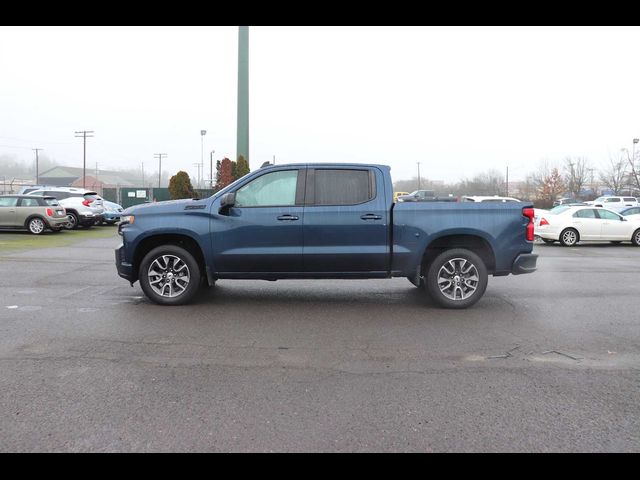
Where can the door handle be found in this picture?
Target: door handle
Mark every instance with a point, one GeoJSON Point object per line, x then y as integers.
{"type": "Point", "coordinates": [287, 217]}
{"type": "Point", "coordinates": [371, 216]}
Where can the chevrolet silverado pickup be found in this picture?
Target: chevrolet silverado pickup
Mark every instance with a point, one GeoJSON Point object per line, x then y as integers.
{"type": "Point", "coordinates": [331, 221]}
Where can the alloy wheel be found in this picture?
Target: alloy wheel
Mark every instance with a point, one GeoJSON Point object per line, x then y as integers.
{"type": "Point", "coordinates": [458, 279]}
{"type": "Point", "coordinates": [169, 276]}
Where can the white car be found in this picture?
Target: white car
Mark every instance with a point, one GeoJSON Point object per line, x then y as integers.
{"type": "Point", "coordinates": [84, 207]}
{"type": "Point", "coordinates": [615, 203]}
{"type": "Point", "coordinates": [569, 225]}
{"type": "Point", "coordinates": [632, 213]}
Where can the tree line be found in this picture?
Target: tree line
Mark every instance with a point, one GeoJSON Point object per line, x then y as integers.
{"type": "Point", "coordinates": [574, 177]}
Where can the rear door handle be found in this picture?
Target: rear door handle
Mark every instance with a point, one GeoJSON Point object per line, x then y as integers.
{"type": "Point", "coordinates": [371, 216]}
{"type": "Point", "coordinates": [287, 217]}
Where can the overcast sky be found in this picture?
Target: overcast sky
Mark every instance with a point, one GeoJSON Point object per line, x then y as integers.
{"type": "Point", "coordinates": [458, 100]}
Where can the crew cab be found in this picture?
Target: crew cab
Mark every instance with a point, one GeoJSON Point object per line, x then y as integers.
{"type": "Point", "coordinates": [322, 221]}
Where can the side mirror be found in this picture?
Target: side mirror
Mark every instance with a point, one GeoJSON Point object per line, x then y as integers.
{"type": "Point", "coordinates": [227, 201]}
{"type": "Point", "coordinates": [624, 219]}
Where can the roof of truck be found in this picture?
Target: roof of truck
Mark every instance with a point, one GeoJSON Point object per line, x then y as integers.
{"type": "Point", "coordinates": [327, 164]}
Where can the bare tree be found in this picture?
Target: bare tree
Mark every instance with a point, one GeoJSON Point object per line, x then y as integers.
{"type": "Point", "coordinates": [633, 174]}
{"type": "Point", "coordinates": [576, 174]}
{"type": "Point", "coordinates": [614, 176]}
{"type": "Point", "coordinates": [491, 182]}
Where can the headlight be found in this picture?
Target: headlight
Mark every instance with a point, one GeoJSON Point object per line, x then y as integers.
{"type": "Point", "coordinates": [127, 219]}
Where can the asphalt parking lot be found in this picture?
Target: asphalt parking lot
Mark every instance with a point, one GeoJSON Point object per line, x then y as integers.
{"type": "Point", "coordinates": [544, 362]}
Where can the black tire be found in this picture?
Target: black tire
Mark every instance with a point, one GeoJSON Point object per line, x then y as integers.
{"type": "Point", "coordinates": [548, 241]}
{"type": "Point", "coordinates": [36, 226]}
{"type": "Point", "coordinates": [193, 271]}
{"type": "Point", "coordinates": [443, 296]}
{"type": "Point", "coordinates": [635, 239]}
{"type": "Point", "coordinates": [569, 237]}
{"type": "Point", "coordinates": [73, 221]}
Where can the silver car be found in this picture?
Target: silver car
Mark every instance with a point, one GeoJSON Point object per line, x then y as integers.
{"type": "Point", "coordinates": [84, 207]}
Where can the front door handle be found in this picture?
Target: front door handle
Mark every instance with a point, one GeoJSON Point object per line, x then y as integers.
{"type": "Point", "coordinates": [287, 217]}
{"type": "Point", "coordinates": [371, 216]}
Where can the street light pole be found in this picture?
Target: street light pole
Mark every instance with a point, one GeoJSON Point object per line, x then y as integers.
{"type": "Point", "coordinates": [211, 169]}
{"type": "Point", "coordinates": [202, 134]}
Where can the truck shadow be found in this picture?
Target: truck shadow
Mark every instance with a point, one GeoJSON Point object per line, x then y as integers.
{"type": "Point", "coordinates": [232, 294]}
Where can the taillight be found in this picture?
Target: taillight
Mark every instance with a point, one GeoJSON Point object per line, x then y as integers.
{"type": "Point", "coordinates": [49, 212]}
{"type": "Point", "coordinates": [87, 202]}
{"type": "Point", "coordinates": [544, 222]}
{"type": "Point", "coordinates": [529, 213]}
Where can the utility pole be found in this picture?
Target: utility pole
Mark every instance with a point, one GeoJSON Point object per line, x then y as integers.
{"type": "Point", "coordinates": [418, 175]}
{"type": "Point", "coordinates": [243, 94]}
{"type": "Point", "coordinates": [142, 174]}
{"type": "Point", "coordinates": [84, 134]}
{"type": "Point", "coordinates": [37, 171]}
{"type": "Point", "coordinates": [274, 159]}
{"type": "Point", "coordinates": [202, 134]}
{"type": "Point", "coordinates": [159, 157]}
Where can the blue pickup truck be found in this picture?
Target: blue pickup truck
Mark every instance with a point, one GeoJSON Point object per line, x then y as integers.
{"type": "Point", "coordinates": [322, 221]}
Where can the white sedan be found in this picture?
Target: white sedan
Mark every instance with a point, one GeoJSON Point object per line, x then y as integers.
{"type": "Point", "coordinates": [572, 224]}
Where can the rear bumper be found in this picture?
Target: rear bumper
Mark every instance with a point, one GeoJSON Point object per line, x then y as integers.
{"type": "Point", "coordinates": [125, 270]}
{"type": "Point", "coordinates": [56, 223]}
{"type": "Point", "coordinates": [524, 263]}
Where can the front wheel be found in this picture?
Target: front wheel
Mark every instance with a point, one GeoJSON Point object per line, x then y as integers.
{"type": "Point", "coordinates": [636, 238]}
{"type": "Point", "coordinates": [169, 275]}
{"type": "Point", "coordinates": [457, 278]}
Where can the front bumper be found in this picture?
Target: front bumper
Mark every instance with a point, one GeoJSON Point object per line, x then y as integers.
{"type": "Point", "coordinates": [524, 263]}
{"type": "Point", "coordinates": [125, 270]}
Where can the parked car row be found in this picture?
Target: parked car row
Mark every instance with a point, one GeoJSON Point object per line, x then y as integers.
{"type": "Point", "coordinates": [55, 208]}
{"type": "Point", "coordinates": [568, 224]}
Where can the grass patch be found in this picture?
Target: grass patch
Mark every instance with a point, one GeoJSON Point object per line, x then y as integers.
{"type": "Point", "coordinates": [11, 241]}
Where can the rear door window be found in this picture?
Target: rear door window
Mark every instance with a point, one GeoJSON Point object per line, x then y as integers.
{"type": "Point", "coordinates": [587, 213]}
{"type": "Point", "coordinates": [29, 202]}
{"type": "Point", "coordinates": [343, 186]}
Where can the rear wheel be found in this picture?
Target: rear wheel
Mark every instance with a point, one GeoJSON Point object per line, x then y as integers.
{"type": "Point", "coordinates": [169, 275]}
{"type": "Point", "coordinates": [636, 238]}
{"type": "Point", "coordinates": [457, 278]}
{"type": "Point", "coordinates": [569, 237]}
{"type": "Point", "coordinates": [36, 226]}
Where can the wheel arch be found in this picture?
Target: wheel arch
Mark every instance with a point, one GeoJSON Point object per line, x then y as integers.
{"type": "Point", "coordinates": [475, 243]}
{"type": "Point", "coordinates": [183, 240]}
